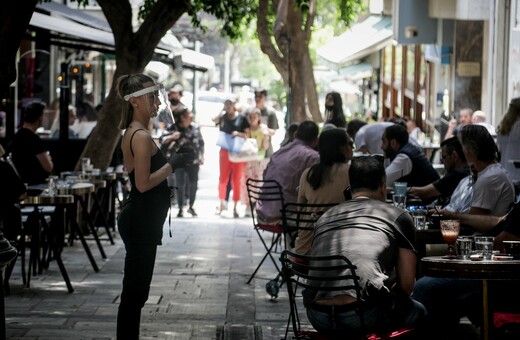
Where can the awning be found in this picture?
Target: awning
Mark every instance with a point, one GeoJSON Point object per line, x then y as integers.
{"type": "Point", "coordinates": [364, 38]}
{"type": "Point", "coordinates": [75, 27]}
{"type": "Point", "coordinates": [76, 15]}
{"type": "Point", "coordinates": [197, 61]}
{"type": "Point", "coordinates": [357, 72]}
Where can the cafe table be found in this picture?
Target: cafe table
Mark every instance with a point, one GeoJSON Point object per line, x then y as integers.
{"type": "Point", "coordinates": [484, 270]}
{"type": "Point", "coordinates": [57, 201]}
{"type": "Point", "coordinates": [79, 191]}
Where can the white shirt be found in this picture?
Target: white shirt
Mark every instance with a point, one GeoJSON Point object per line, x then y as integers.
{"type": "Point", "coordinates": [369, 135]}
{"type": "Point", "coordinates": [493, 190]}
{"type": "Point", "coordinates": [399, 167]}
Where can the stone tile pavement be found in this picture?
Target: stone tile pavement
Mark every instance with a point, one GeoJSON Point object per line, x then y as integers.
{"type": "Point", "coordinates": [199, 288]}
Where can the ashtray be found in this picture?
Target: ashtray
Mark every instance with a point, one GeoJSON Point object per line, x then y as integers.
{"type": "Point", "coordinates": [502, 258]}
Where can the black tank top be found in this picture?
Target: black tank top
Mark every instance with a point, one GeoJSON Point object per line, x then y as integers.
{"type": "Point", "coordinates": [142, 218]}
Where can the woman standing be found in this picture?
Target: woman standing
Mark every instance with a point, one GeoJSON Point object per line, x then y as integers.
{"type": "Point", "coordinates": [255, 169]}
{"type": "Point", "coordinates": [334, 110]}
{"type": "Point", "coordinates": [187, 179]}
{"type": "Point", "coordinates": [234, 124]}
{"type": "Point", "coordinates": [508, 139]}
{"type": "Point", "coordinates": [141, 220]}
{"type": "Point", "coordinates": [326, 181]}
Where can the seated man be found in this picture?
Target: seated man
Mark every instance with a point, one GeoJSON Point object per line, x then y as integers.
{"type": "Point", "coordinates": [493, 191]}
{"type": "Point", "coordinates": [456, 167]}
{"type": "Point", "coordinates": [407, 162]}
{"type": "Point", "coordinates": [379, 239]}
{"type": "Point", "coordinates": [32, 161]}
{"type": "Point", "coordinates": [286, 167]}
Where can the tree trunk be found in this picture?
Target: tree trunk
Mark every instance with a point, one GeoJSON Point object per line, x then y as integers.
{"type": "Point", "coordinates": [290, 55]}
{"type": "Point", "coordinates": [133, 52]}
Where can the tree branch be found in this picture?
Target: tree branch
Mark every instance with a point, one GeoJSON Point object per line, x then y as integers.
{"type": "Point", "coordinates": [266, 44]}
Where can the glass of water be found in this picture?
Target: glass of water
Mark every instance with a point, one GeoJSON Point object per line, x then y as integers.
{"type": "Point", "coordinates": [399, 201]}
{"type": "Point", "coordinates": [484, 246]}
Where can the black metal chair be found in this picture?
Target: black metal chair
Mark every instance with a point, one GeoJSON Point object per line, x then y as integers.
{"type": "Point", "coordinates": [307, 272]}
{"type": "Point", "coordinates": [265, 191]}
{"type": "Point", "coordinates": [301, 217]}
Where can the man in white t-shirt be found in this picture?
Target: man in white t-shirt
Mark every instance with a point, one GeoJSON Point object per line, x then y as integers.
{"type": "Point", "coordinates": [493, 191]}
{"type": "Point", "coordinates": [367, 137]}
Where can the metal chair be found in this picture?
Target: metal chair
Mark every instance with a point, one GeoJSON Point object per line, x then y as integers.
{"type": "Point", "coordinates": [306, 272]}
{"type": "Point", "coordinates": [265, 191]}
{"type": "Point", "coordinates": [300, 217]}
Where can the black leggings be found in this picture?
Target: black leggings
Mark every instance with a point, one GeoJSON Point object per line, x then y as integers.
{"type": "Point", "coordinates": [139, 264]}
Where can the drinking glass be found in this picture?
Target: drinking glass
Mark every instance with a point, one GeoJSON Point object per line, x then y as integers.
{"type": "Point", "coordinates": [419, 221]}
{"type": "Point", "coordinates": [85, 165]}
{"type": "Point", "coordinates": [484, 246]}
{"type": "Point", "coordinates": [465, 245]}
{"type": "Point", "coordinates": [52, 188]}
{"type": "Point", "coordinates": [450, 231]}
{"type": "Point", "coordinates": [400, 188]}
{"type": "Point", "coordinates": [399, 201]}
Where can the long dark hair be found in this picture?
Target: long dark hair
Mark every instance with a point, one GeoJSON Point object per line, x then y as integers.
{"type": "Point", "coordinates": [331, 144]}
{"type": "Point", "coordinates": [335, 113]}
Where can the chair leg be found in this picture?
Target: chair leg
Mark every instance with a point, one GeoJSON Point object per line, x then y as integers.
{"type": "Point", "coordinates": [268, 253]}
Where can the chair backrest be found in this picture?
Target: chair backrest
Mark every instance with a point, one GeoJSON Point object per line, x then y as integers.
{"type": "Point", "coordinates": [302, 216]}
{"type": "Point", "coordinates": [310, 272]}
{"type": "Point", "coordinates": [263, 190]}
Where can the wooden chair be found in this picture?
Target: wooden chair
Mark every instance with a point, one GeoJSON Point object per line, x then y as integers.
{"type": "Point", "coordinates": [265, 191]}
{"type": "Point", "coordinates": [300, 271]}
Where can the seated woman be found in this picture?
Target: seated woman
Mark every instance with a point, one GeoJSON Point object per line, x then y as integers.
{"type": "Point", "coordinates": [326, 181]}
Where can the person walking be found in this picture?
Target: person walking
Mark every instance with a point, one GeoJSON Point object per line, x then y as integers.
{"type": "Point", "coordinates": [187, 178]}
{"type": "Point", "coordinates": [234, 124]}
{"type": "Point", "coordinates": [142, 216]}
{"type": "Point", "coordinates": [255, 168]}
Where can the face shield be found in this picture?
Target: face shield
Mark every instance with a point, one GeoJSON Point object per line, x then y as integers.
{"type": "Point", "coordinates": [158, 101]}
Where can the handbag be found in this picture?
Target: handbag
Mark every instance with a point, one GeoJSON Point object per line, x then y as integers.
{"type": "Point", "coordinates": [229, 142]}
{"type": "Point", "coordinates": [248, 151]}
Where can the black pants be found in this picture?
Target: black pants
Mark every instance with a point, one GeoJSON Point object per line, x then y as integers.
{"type": "Point", "coordinates": [139, 264]}
{"type": "Point", "coordinates": [187, 179]}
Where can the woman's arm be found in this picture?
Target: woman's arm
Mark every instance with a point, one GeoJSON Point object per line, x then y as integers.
{"type": "Point", "coordinates": [143, 146]}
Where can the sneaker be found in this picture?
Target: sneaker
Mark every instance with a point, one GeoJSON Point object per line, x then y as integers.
{"type": "Point", "coordinates": [180, 214]}
{"type": "Point", "coordinates": [192, 212]}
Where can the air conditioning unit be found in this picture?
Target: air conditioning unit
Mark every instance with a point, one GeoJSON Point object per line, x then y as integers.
{"type": "Point", "coordinates": [412, 24]}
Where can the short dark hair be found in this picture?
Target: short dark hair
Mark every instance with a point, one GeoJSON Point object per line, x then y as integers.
{"type": "Point", "coordinates": [397, 132]}
{"type": "Point", "coordinates": [477, 139]}
{"type": "Point", "coordinates": [33, 112]}
{"type": "Point", "coordinates": [453, 145]}
{"type": "Point", "coordinates": [307, 131]}
{"type": "Point", "coordinates": [263, 92]}
{"type": "Point", "coordinates": [366, 173]}
{"type": "Point", "coordinates": [353, 127]}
